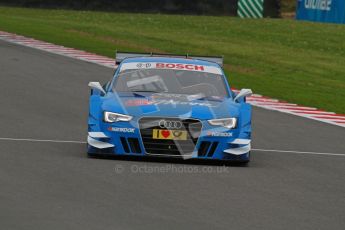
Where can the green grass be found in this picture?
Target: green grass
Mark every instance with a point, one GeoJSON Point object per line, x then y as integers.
{"type": "Point", "coordinates": [295, 61]}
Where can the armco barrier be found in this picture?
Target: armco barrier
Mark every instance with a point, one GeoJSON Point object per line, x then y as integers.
{"type": "Point", "coordinates": [271, 8]}
{"type": "Point", "coordinates": [321, 10]}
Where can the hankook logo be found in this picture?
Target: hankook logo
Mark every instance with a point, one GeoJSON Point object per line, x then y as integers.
{"type": "Point", "coordinates": [170, 124]}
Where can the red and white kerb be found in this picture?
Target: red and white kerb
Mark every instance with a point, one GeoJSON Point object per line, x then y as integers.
{"type": "Point", "coordinates": [256, 100]}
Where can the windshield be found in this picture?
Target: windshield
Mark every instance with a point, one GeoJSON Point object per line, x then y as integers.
{"type": "Point", "coordinates": [171, 81]}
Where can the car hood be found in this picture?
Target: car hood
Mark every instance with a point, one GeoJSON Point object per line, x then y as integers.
{"type": "Point", "coordinates": [169, 105]}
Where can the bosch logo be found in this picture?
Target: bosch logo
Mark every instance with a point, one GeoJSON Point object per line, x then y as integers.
{"type": "Point", "coordinates": [170, 124]}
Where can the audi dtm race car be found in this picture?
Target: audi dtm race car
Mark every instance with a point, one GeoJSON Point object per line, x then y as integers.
{"type": "Point", "coordinates": [169, 106]}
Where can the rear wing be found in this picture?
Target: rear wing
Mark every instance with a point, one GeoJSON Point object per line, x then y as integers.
{"type": "Point", "coordinates": [120, 56]}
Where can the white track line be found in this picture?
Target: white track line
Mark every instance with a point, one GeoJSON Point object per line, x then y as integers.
{"type": "Point", "coordinates": [83, 142]}
{"type": "Point", "coordinates": [298, 152]}
{"type": "Point", "coordinates": [40, 140]}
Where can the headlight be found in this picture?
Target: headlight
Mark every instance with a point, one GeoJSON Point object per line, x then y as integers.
{"type": "Point", "coordinates": [229, 123]}
{"type": "Point", "coordinates": [115, 117]}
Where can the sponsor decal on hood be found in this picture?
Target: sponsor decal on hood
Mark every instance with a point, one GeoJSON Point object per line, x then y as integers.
{"type": "Point", "coordinates": [172, 99]}
{"type": "Point", "coordinates": [141, 102]}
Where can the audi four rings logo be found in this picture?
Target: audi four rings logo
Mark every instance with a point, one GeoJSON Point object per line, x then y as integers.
{"type": "Point", "coordinates": [170, 124]}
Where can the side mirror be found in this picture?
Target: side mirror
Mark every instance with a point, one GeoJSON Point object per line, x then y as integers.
{"type": "Point", "coordinates": [243, 93]}
{"type": "Point", "coordinates": [97, 86]}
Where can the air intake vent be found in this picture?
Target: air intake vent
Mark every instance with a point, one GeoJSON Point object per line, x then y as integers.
{"type": "Point", "coordinates": [124, 144]}
{"type": "Point", "coordinates": [134, 144]}
{"type": "Point", "coordinates": [207, 148]}
{"type": "Point", "coordinates": [130, 145]}
{"type": "Point", "coordinates": [203, 148]}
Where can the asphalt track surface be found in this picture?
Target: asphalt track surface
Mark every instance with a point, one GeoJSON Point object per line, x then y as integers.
{"type": "Point", "coordinates": [53, 185]}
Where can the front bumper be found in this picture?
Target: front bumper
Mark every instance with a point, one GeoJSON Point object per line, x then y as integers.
{"type": "Point", "coordinates": [126, 138]}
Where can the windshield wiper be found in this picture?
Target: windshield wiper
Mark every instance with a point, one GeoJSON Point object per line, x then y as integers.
{"type": "Point", "coordinates": [137, 92]}
{"type": "Point", "coordinates": [210, 98]}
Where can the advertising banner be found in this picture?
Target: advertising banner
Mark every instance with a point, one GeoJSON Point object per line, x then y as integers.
{"type": "Point", "coordinates": [321, 10]}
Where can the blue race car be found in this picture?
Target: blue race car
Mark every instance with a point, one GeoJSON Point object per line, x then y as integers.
{"type": "Point", "coordinates": [169, 106]}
